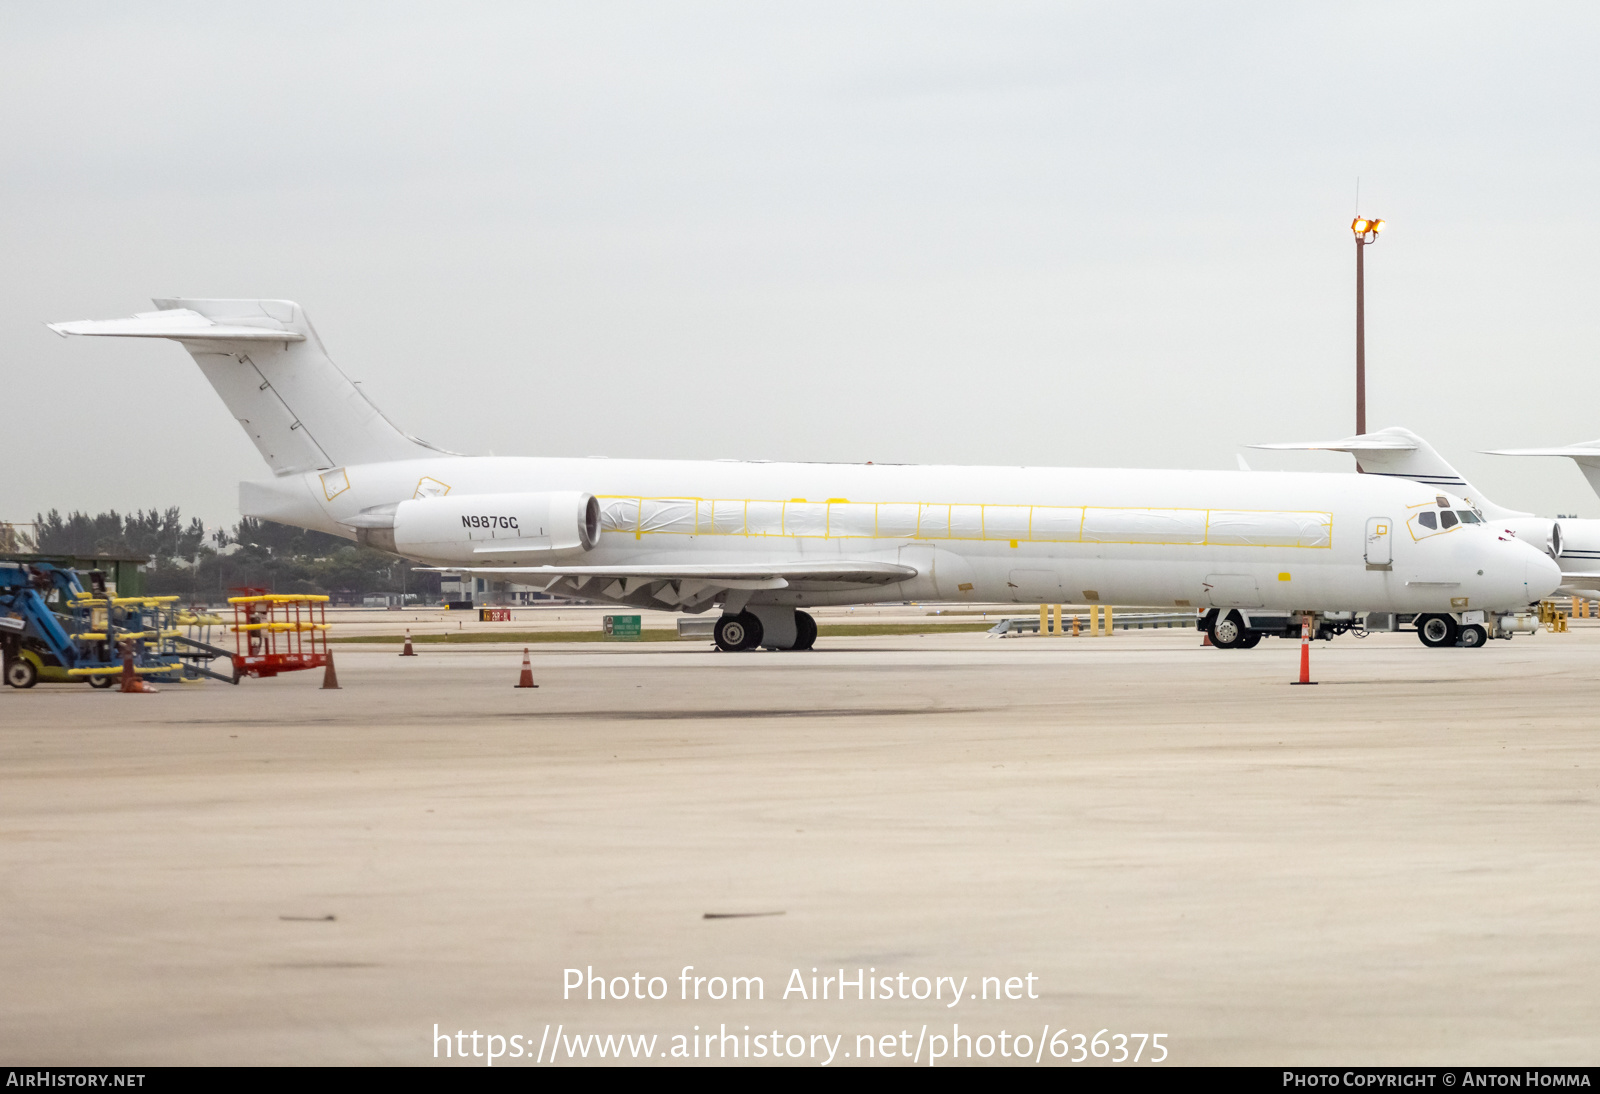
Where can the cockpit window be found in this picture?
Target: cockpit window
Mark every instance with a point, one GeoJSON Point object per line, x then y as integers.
{"type": "Point", "coordinates": [1467, 516]}
{"type": "Point", "coordinates": [1448, 519]}
{"type": "Point", "coordinates": [1427, 520]}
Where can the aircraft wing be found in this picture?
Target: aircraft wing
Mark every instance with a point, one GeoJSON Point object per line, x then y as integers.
{"type": "Point", "coordinates": [690, 583]}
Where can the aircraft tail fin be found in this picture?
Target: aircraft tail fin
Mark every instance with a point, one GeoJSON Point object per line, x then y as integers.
{"type": "Point", "coordinates": [1400, 453]}
{"type": "Point", "coordinates": [1585, 454]}
{"type": "Point", "coordinates": [266, 362]}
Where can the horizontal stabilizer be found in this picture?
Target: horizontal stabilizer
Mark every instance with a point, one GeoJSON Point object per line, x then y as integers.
{"type": "Point", "coordinates": [183, 325]}
{"type": "Point", "coordinates": [1586, 455]}
{"type": "Point", "coordinates": [1364, 442]}
{"type": "Point", "coordinates": [1590, 451]}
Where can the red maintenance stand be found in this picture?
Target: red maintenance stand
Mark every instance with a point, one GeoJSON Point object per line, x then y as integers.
{"type": "Point", "coordinates": [276, 633]}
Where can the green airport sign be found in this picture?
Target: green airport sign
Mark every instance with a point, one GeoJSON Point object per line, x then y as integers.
{"type": "Point", "coordinates": [621, 626]}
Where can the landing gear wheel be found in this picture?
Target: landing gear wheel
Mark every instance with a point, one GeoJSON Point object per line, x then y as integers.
{"type": "Point", "coordinates": [737, 632]}
{"type": "Point", "coordinates": [21, 673]}
{"type": "Point", "coordinates": [100, 681]}
{"type": "Point", "coordinates": [1227, 631]}
{"type": "Point", "coordinates": [805, 631]}
{"type": "Point", "coordinates": [1473, 636]}
{"type": "Point", "coordinates": [1437, 630]}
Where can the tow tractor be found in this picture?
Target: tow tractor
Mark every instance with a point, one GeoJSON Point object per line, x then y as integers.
{"type": "Point", "coordinates": [1244, 628]}
{"type": "Point", "coordinates": [52, 629]}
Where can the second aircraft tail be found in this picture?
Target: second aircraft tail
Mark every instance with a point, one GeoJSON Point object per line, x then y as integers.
{"type": "Point", "coordinates": [1400, 453]}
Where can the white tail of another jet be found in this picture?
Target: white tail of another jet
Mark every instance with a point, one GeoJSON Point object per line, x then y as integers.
{"type": "Point", "coordinates": [1585, 454]}
{"type": "Point", "coordinates": [266, 361]}
{"type": "Point", "coordinates": [1400, 453]}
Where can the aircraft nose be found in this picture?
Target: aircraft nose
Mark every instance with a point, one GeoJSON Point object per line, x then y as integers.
{"type": "Point", "coordinates": [1543, 575]}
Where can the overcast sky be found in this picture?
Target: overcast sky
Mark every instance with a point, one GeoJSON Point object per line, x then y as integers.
{"type": "Point", "coordinates": [1109, 234]}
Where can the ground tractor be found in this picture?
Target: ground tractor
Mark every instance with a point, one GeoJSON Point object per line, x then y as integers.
{"type": "Point", "coordinates": [1244, 628]}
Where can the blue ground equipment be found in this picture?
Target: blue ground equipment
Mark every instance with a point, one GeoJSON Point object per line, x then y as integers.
{"type": "Point", "coordinates": [52, 629]}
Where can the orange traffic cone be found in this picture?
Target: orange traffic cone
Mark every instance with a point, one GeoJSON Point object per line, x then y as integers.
{"type": "Point", "coordinates": [330, 679]}
{"type": "Point", "coordinates": [526, 680]}
{"type": "Point", "coordinates": [408, 651]}
{"type": "Point", "coordinates": [1305, 653]}
{"type": "Point", "coordinates": [1206, 641]}
{"type": "Point", "coordinates": [131, 684]}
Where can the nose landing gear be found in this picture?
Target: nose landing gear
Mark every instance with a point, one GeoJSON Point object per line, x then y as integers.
{"type": "Point", "coordinates": [1441, 630]}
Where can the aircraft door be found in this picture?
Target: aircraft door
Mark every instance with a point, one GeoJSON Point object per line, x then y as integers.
{"type": "Point", "coordinates": [1380, 533]}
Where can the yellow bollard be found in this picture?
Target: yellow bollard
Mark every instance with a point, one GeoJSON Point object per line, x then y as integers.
{"type": "Point", "coordinates": [1574, 607]}
{"type": "Point", "coordinates": [1094, 621]}
{"type": "Point", "coordinates": [1108, 620]}
{"type": "Point", "coordinates": [1056, 612]}
{"type": "Point", "coordinates": [1044, 620]}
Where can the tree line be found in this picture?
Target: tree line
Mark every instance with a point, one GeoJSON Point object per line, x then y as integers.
{"type": "Point", "coordinates": [188, 561]}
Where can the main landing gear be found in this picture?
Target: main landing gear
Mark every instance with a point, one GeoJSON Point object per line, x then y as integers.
{"type": "Point", "coordinates": [774, 629]}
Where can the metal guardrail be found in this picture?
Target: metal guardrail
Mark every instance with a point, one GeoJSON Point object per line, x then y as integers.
{"type": "Point", "coordinates": [1131, 621]}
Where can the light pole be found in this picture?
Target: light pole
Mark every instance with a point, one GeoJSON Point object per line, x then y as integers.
{"type": "Point", "coordinates": [1366, 232]}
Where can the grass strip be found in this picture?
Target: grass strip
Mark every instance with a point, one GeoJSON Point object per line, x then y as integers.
{"type": "Point", "coordinates": [530, 637]}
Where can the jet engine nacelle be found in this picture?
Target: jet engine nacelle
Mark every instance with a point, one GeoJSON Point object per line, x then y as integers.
{"type": "Point", "coordinates": [482, 529]}
{"type": "Point", "coordinates": [1540, 532]}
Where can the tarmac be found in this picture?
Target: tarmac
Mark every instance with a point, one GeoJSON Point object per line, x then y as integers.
{"type": "Point", "coordinates": [1396, 866]}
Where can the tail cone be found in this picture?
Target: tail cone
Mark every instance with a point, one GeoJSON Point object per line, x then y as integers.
{"type": "Point", "coordinates": [526, 680]}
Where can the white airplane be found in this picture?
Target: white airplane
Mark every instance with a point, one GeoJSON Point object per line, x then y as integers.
{"type": "Point", "coordinates": [763, 541]}
{"type": "Point", "coordinates": [1399, 453]}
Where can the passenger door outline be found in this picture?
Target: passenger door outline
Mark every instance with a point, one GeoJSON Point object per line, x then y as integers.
{"type": "Point", "coordinates": [1379, 543]}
